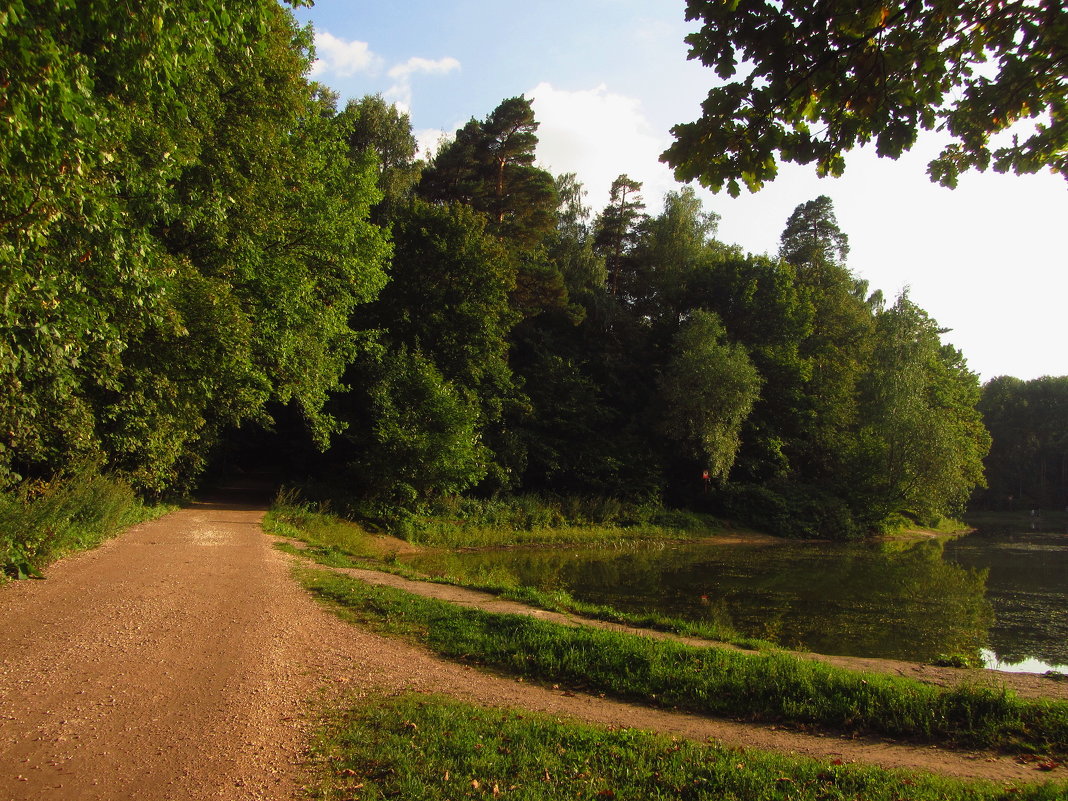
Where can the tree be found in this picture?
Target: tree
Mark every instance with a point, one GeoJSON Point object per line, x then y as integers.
{"type": "Point", "coordinates": [448, 300]}
{"type": "Point", "coordinates": [617, 231]}
{"type": "Point", "coordinates": [921, 439]}
{"type": "Point", "coordinates": [424, 435]}
{"type": "Point", "coordinates": [370, 125]}
{"type": "Point", "coordinates": [674, 244]}
{"type": "Point", "coordinates": [274, 208]}
{"type": "Point", "coordinates": [827, 77]}
{"type": "Point", "coordinates": [571, 247]}
{"type": "Point", "coordinates": [182, 237]}
{"type": "Point", "coordinates": [835, 349]}
{"type": "Point", "coordinates": [708, 389]}
{"type": "Point", "coordinates": [763, 308]}
{"type": "Point", "coordinates": [96, 125]}
{"type": "Point", "coordinates": [1028, 461]}
{"type": "Point", "coordinates": [490, 166]}
{"type": "Point", "coordinates": [812, 235]}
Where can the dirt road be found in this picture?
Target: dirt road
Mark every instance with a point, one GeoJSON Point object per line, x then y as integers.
{"type": "Point", "coordinates": [160, 666]}
{"type": "Point", "coordinates": [181, 661]}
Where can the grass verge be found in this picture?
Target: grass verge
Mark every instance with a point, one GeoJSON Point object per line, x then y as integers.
{"type": "Point", "coordinates": [43, 521]}
{"type": "Point", "coordinates": [431, 748]}
{"type": "Point", "coordinates": [456, 522]}
{"type": "Point", "coordinates": [334, 542]}
{"type": "Point", "coordinates": [772, 687]}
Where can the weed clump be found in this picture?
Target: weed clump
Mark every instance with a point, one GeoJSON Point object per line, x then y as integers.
{"type": "Point", "coordinates": [41, 521]}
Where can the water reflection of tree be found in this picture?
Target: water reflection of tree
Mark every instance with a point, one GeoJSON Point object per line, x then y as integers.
{"type": "Point", "coordinates": [1027, 588]}
{"type": "Point", "coordinates": [862, 600]}
{"type": "Point", "coordinates": [890, 603]}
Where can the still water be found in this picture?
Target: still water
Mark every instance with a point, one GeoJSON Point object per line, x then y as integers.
{"type": "Point", "coordinates": [998, 593]}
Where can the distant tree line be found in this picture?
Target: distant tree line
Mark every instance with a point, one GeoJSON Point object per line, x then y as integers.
{"type": "Point", "coordinates": [199, 247]}
{"type": "Point", "coordinates": [1027, 467]}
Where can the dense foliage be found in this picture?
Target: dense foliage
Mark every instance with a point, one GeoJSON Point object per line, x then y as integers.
{"type": "Point", "coordinates": [1028, 463]}
{"type": "Point", "coordinates": [198, 248]}
{"type": "Point", "coordinates": [805, 82]}
{"type": "Point", "coordinates": [183, 235]}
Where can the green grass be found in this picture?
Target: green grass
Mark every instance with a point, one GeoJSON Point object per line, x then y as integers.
{"type": "Point", "coordinates": [458, 522]}
{"type": "Point", "coordinates": [340, 543]}
{"type": "Point", "coordinates": [546, 520]}
{"type": "Point", "coordinates": [331, 540]}
{"type": "Point", "coordinates": [430, 748]}
{"type": "Point", "coordinates": [772, 686]}
{"type": "Point", "coordinates": [43, 521]}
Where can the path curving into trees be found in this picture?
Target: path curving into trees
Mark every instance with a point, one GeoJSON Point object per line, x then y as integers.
{"type": "Point", "coordinates": [180, 661]}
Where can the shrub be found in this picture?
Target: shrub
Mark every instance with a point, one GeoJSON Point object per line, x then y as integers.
{"type": "Point", "coordinates": [41, 521]}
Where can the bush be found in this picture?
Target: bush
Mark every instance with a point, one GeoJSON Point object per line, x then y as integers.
{"type": "Point", "coordinates": [41, 521]}
{"type": "Point", "coordinates": [791, 510]}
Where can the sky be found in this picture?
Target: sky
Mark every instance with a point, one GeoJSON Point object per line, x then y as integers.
{"type": "Point", "coordinates": [608, 78]}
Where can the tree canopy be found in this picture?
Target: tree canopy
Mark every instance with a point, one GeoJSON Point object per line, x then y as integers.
{"type": "Point", "coordinates": [199, 251]}
{"type": "Point", "coordinates": [806, 83]}
{"type": "Point", "coordinates": [182, 235]}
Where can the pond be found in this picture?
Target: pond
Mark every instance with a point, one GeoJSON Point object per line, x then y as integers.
{"type": "Point", "coordinates": [997, 593]}
{"type": "Point", "coordinates": [1027, 587]}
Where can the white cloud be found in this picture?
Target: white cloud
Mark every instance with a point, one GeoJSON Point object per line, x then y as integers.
{"type": "Point", "coordinates": [429, 140]}
{"type": "Point", "coordinates": [342, 58]}
{"type": "Point", "coordinates": [401, 90]}
{"type": "Point", "coordinates": [600, 135]}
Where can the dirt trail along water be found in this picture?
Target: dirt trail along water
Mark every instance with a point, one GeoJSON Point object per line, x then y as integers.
{"type": "Point", "coordinates": [181, 662]}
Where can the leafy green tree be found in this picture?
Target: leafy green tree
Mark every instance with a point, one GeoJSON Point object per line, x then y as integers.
{"type": "Point", "coordinates": [812, 235]}
{"type": "Point", "coordinates": [275, 208]}
{"type": "Point", "coordinates": [490, 166]}
{"type": "Point", "coordinates": [371, 126]}
{"type": "Point", "coordinates": [708, 388]}
{"type": "Point", "coordinates": [424, 440]}
{"type": "Point", "coordinates": [571, 246]}
{"type": "Point", "coordinates": [94, 130]}
{"type": "Point", "coordinates": [836, 348]}
{"type": "Point", "coordinates": [193, 242]}
{"type": "Point", "coordinates": [448, 300]}
{"type": "Point", "coordinates": [762, 308]}
{"type": "Point", "coordinates": [587, 427]}
{"type": "Point", "coordinates": [807, 82]}
{"type": "Point", "coordinates": [181, 384]}
{"type": "Point", "coordinates": [671, 247]}
{"type": "Point", "coordinates": [921, 440]}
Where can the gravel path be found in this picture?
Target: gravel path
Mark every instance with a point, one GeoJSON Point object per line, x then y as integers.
{"type": "Point", "coordinates": [181, 661]}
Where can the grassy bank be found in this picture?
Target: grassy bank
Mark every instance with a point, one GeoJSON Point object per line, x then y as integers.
{"type": "Point", "coordinates": [414, 746]}
{"type": "Point", "coordinates": [538, 520]}
{"type": "Point", "coordinates": [334, 542]}
{"type": "Point", "coordinates": [520, 520]}
{"type": "Point", "coordinates": [42, 521]}
{"type": "Point", "coordinates": [774, 687]}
